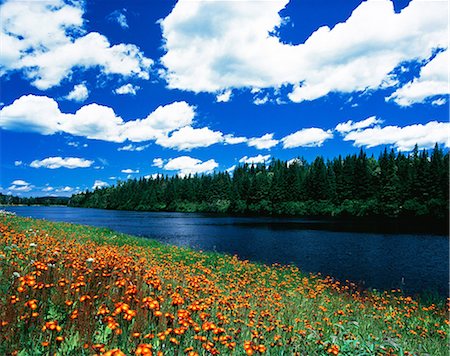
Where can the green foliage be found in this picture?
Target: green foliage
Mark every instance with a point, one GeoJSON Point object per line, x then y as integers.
{"type": "Point", "coordinates": [356, 185]}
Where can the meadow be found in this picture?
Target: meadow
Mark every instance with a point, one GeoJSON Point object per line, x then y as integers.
{"type": "Point", "coordinates": [77, 290]}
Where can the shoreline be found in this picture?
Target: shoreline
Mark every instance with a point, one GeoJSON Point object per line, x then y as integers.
{"type": "Point", "coordinates": [115, 291]}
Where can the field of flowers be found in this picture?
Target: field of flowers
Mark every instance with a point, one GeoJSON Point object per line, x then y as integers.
{"type": "Point", "coordinates": [76, 290]}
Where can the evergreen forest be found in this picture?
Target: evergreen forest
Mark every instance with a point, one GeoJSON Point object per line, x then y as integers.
{"type": "Point", "coordinates": [393, 185]}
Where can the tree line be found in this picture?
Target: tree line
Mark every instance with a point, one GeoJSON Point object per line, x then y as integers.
{"type": "Point", "coordinates": [392, 185]}
{"type": "Point", "coordinates": [16, 200]}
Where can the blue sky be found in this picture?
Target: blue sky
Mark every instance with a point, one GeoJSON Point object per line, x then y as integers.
{"type": "Point", "coordinates": [98, 91]}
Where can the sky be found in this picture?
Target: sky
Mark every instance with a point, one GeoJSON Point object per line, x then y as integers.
{"type": "Point", "coordinates": [97, 91]}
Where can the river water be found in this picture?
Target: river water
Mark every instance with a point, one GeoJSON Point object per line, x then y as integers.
{"type": "Point", "coordinates": [381, 259]}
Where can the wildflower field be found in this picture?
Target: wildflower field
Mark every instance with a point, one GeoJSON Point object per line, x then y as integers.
{"type": "Point", "coordinates": [76, 290]}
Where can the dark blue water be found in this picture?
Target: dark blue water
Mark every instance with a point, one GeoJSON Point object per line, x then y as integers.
{"type": "Point", "coordinates": [416, 263]}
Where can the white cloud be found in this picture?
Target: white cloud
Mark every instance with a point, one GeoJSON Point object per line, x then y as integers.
{"type": "Point", "coordinates": [131, 147]}
{"type": "Point", "coordinates": [64, 189]}
{"type": "Point", "coordinates": [231, 169]}
{"type": "Point", "coordinates": [158, 162]}
{"type": "Point", "coordinates": [403, 138]}
{"type": "Point", "coordinates": [160, 122]}
{"type": "Point", "coordinates": [188, 138]}
{"type": "Point", "coordinates": [18, 163]}
{"type": "Point", "coordinates": [348, 126]}
{"type": "Point", "coordinates": [263, 142]}
{"type": "Point", "coordinates": [130, 171]}
{"type": "Point", "coordinates": [99, 184]}
{"type": "Point", "coordinates": [41, 114]}
{"type": "Point", "coordinates": [255, 160]}
{"type": "Point", "coordinates": [311, 137]}
{"type": "Point", "coordinates": [46, 40]}
{"type": "Point", "coordinates": [48, 189]}
{"type": "Point", "coordinates": [58, 162]}
{"type": "Point", "coordinates": [20, 182]}
{"type": "Point", "coordinates": [127, 89]}
{"type": "Point", "coordinates": [260, 101]}
{"type": "Point", "coordinates": [20, 188]}
{"type": "Point", "coordinates": [79, 93]}
{"type": "Point", "coordinates": [433, 80]}
{"type": "Point", "coordinates": [187, 165]}
{"type": "Point", "coordinates": [33, 114]}
{"type": "Point", "coordinates": [439, 102]}
{"type": "Point", "coordinates": [224, 97]}
{"type": "Point", "coordinates": [233, 140]}
{"type": "Point", "coordinates": [213, 46]}
{"type": "Point", "coordinates": [20, 185]}
{"type": "Point", "coordinates": [119, 17]}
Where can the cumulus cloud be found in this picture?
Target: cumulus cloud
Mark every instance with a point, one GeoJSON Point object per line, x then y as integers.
{"type": "Point", "coordinates": [188, 138]}
{"type": "Point", "coordinates": [41, 114]}
{"type": "Point", "coordinates": [224, 97]}
{"type": "Point", "coordinates": [20, 188]}
{"type": "Point", "coordinates": [18, 163]}
{"type": "Point", "coordinates": [234, 140]}
{"type": "Point", "coordinates": [20, 182]}
{"type": "Point", "coordinates": [48, 189]}
{"type": "Point", "coordinates": [213, 46]}
{"type": "Point", "coordinates": [79, 93]}
{"type": "Point", "coordinates": [348, 126]}
{"type": "Point", "coordinates": [402, 138]}
{"type": "Point", "coordinates": [33, 114]}
{"type": "Point", "coordinates": [64, 189]}
{"type": "Point", "coordinates": [45, 40]}
{"type": "Point", "coordinates": [158, 162]}
{"type": "Point", "coordinates": [20, 185]}
{"type": "Point", "coordinates": [255, 160]}
{"type": "Point", "coordinates": [186, 165]}
{"type": "Point", "coordinates": [160, 122]}
{"type": "Point", "coordinates": [130, 171]}
{"type": "Point", "coordinates": [127, 89]}
{"type": "Point", "coordinates": [169, 126]}
{"type": "Point", "coordinates": [433, 80]}
{"type": "Point", "coordinates": [58, 162]}
{"type": "Point", "coordinates": [99, 184]}
{"type": "Point", "coordinates": [310, 137]}
{"type": "Point", "coordinates": [263, 142]}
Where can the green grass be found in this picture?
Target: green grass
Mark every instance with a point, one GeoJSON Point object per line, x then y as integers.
{"type": "Point", "coordinates": [97, 286]}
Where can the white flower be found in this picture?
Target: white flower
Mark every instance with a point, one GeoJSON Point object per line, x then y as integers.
{"type": "Point", "coordinates": [33, 244]}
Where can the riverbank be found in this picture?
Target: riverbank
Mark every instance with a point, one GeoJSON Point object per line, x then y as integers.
{"type": "Point", "coordinates": [74, 289]}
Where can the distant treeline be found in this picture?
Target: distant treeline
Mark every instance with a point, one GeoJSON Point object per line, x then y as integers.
{"type": "Point", "coordinates": [15, 200]}
{"type": "Point", "coordinates": [392, 185]}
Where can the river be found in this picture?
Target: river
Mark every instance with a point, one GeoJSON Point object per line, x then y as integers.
{"type": "Point", "coordinates": [415, 262]}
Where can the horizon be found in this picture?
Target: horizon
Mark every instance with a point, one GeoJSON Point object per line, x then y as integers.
{"type": "Point", "coordinates": [96, 92]}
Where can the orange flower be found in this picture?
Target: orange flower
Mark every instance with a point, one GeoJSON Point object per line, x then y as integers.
{"type": "Point", "coordinates": [333, 349]}
{"type": "Point", "coordinates": [144, 350]}
{"type": "Point", "coordinates": [114, 352]}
